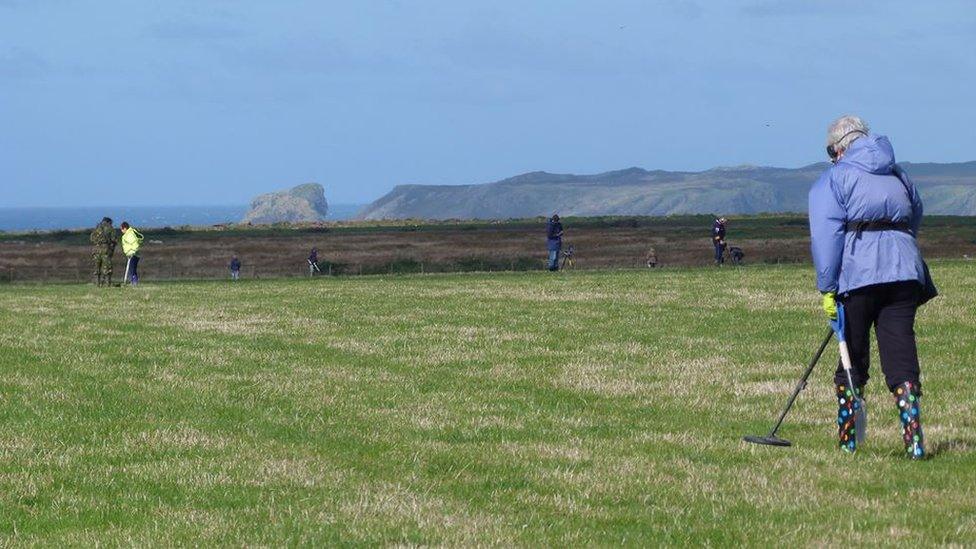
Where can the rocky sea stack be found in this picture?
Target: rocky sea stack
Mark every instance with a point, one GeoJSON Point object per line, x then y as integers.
{"type": "Point", "coordinates": [302, 204]}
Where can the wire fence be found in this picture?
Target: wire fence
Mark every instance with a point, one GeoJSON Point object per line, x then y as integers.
{"type": "Point", "coordinates": [149, 271]}
{"type": "Point", "coordinates": [157, 269]}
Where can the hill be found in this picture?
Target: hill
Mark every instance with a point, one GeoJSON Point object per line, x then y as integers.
{"type": "Point", "coordinates": [301, 204]}
{"type": "Point", "coordinates": [948, 189]}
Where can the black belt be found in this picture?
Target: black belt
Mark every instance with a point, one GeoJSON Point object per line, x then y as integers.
{"type": "Point", "coordinates": [879, 225]}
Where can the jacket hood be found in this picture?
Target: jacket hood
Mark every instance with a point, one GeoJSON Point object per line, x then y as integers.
{"type": "Point", "coordinates": [872, 153]}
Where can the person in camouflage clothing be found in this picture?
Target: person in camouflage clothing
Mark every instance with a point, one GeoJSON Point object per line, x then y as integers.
{"type": "Point", "coordinates": [103, 240]}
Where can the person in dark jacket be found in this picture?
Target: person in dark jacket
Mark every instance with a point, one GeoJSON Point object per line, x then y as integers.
{"type": "Point", "coordinates": [235, 268]}
{"type": "Point", "coordinates": [554, 241]}
{"type": "Point", "coordinates": [864, 218]}
{"type": "Point", "coordinates": [718, 239]}
{"type": "Point", "coordinates": [313, 262]}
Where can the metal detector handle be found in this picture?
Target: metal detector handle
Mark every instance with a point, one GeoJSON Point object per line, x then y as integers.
{"type": "Point", "coordinates": [861, 412]}
{"type": "Point", "coordinates": [837, 324]}
{"type": "Point", "coordinates": [845, 354]}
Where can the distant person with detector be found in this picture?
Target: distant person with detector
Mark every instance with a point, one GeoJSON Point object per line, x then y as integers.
{"type": "Point", "coordinates": [235, 268]}
{"type": "Point", "coordinates": [865, 214]}
{"type": "Point", "coordinates": [103, 240]}
{"type": "Point", "coordinates": [313, 262]}
{"type": "Point", "coordinates": [651, 258]}
{"type": "Point", "coordinates": [718, 240]}
{"type": "Point", "coordinates": [554, 241]}
{"type": "Point", "coordinates": [131, 242]}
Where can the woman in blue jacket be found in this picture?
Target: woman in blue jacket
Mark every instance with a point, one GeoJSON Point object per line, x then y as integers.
{"type": "Point", "coordinates": [864, 217]}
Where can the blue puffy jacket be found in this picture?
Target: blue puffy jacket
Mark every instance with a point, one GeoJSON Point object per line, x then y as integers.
{"type": "Point", "coordinates": [863, 186]}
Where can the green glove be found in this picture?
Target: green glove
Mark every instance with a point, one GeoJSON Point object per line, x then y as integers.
{"type": "Point", "coordinates": [830, 305]}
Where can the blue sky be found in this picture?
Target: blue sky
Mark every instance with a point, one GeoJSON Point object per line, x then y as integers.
{"type": "Point", "coordinates": [212, 102]}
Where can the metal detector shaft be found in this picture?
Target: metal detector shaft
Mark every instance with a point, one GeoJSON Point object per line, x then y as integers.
{"type": "Point", "coordinates": [127, 263]}
{"type": "Point", "coordinates": [803, 381]}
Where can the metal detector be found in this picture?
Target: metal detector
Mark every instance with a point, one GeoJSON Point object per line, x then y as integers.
{"type": "Point", "coordinates": [771, 439]}
{"type": "Point", "coordinates": [313, 267]}
{"type": "Point", "coordinates": [860, 408]}
{"type": "Point", "coordinates": [568, 257]}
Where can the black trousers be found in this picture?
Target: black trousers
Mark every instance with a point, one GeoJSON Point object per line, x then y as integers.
{"type": "Point", "coordinates": [133, 267]}
{"type": "Point", "coordinates": [890, 308]}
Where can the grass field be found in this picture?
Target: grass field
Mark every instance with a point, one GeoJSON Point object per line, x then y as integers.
{"type": "Point", "coordinates": [578, 408]}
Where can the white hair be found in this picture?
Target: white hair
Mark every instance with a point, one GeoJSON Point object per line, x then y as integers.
{"type": "Point", "coordinates": [845, 130]}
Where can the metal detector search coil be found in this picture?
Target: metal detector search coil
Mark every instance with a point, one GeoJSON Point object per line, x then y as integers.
{"type": "Point", "coordinates": [771, 439]}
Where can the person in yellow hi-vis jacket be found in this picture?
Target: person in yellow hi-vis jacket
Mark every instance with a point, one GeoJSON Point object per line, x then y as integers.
{"type": "Point", "coordinates": [131, 242]}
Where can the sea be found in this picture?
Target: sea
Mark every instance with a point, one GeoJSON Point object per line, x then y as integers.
{"type": "Point", "coordinates": [55, 219]}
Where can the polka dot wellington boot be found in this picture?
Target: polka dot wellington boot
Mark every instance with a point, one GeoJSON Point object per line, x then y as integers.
{"type": "Point", "coordinates": [847, 407]}
{"type": "Point", "coordinates": [907, 398]}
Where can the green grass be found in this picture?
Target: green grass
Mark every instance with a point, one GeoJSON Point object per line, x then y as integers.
{"type": "Point", "coordinates": [575, 408]}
